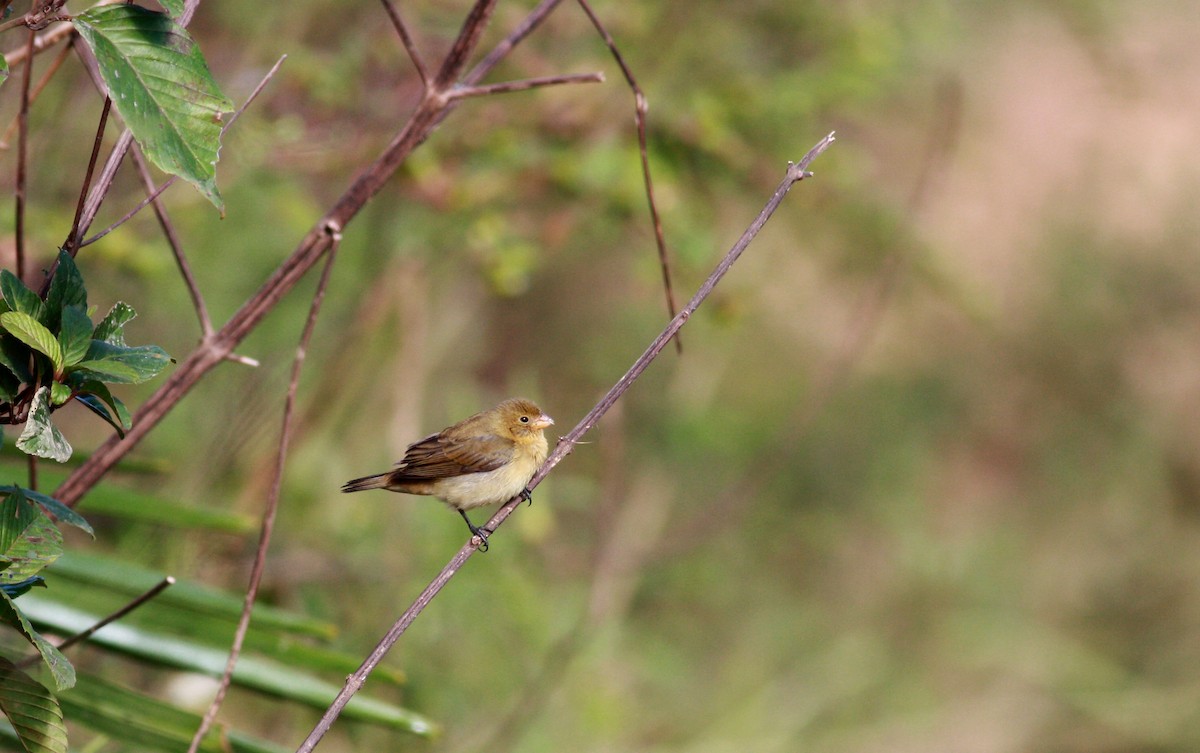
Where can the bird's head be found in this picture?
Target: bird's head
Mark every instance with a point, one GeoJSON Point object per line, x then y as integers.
{"type": "Point", "coordinates": [522, 420]}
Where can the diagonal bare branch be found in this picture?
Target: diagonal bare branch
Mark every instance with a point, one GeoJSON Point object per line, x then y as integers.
{"type": "Point", "coordinates": [795, 173]}
{"type": "Point", "coordinates": [71, 245]}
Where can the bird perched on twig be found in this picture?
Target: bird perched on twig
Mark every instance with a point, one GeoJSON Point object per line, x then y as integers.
{"type": "Point", "coordinates": [482, 460]}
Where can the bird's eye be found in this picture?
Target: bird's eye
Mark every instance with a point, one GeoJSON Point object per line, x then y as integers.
{"type": "Point", "coordinates": [524, 419]}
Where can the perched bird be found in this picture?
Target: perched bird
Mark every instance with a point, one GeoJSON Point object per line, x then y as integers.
{"type": "Point", "coordinates": [483, 460]}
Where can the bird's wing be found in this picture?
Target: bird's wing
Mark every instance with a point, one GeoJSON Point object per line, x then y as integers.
{"type": "Point", "coordinates": [436, 456]}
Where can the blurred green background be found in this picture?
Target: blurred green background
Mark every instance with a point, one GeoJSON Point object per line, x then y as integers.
{"type": "Point", "coordinates": [925, 477]}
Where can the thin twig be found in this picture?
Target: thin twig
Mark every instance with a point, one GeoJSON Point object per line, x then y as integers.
{"type": "Point", "coordinates": [406, 38]}
{"type": "Point", "coordinates": [640, 108]}
{"type": "Point", "coordinates": [168, 228]}
{"type": "Point", "coordinates": [171, 180]}
{"type": "Point", "coordinates": [460, 92]}
{"type": "Point", "coordinates": [158, 588]}
{"type": "Point", "coordinates": [72, 243]}
{"type": "Point", "coordinates": [55, 64]}
{"type": "Point", "coordinates": [22, 159]}
{"type": "Point", "coordinates": [795, 173]}
{"type": "Point", "coordinates": [268, 522]}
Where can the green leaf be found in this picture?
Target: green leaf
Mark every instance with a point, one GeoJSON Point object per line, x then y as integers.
{"type": "Point", "coordinates": [263, 675]}
{"type": "Point", "coordinates": [9, 384]}
{"type": "Point", "coordinates": [3, 69]}
{"type": "Point", "coordinates": [161, 86]}
{"type": "Point", "coordinates": [28, 540]}
{"type": "Point", "coordinates": [22, 586]}
{"type": "Point", "coordinates": [60, 668]}
{"type": "Point", "coordinates": [96, 396]}
{"type": "Point", "coordinates": [174, 7]}
{"type": "Point", "coordinates": [137, 722]}
{"type": "Point", "coordinates": [75, 334]}
{"type": "Point", "coordinates": [32, 710]}
{"type": "Point", "coordinates": [95, 405]}
{"type": "Point", "coordinates": [59, 393]}
{"type": "Point", "coordinates": [41, 437]}
{"type": "Point", "coordinates": [18, 297]}
{"type": "Point", "coordinates": [14, 356]}
{"type": "Point", "coordinates": [66, 289]}
{"type": "Point", "coordinates": [116, 363]}
{"type": "Point", "coordinates": [54, 507]}
{"type": "Point", "coordinates": [34, 334]}
{"type": "Point", "coordinates": [111, 328]}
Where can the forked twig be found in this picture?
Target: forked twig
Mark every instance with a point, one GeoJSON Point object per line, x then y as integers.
{"type": "Point", "coordinates": [268, 522]}
{"type": "Point", "coordinates": [795, 173]}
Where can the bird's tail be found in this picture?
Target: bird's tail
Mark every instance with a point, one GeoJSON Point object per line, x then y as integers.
{"type": "Point", "coordinates": [379, 481]}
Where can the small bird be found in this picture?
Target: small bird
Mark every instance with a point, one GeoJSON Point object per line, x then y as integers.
{"type": "Point", "coordinates": [483, 460]}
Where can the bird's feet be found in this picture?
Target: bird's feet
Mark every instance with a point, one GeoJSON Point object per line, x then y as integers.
{"type": "Point", "coordinates": [479, 531]}
{"type": "Point", "coordinates": [527, 496]}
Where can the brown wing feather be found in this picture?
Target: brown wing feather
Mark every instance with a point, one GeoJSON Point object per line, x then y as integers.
{"type": "Point", "coordinates": [436, 457]}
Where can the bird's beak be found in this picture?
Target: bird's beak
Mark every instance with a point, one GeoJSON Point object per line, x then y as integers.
{"type": "Point", "coordinates": [542, 421]}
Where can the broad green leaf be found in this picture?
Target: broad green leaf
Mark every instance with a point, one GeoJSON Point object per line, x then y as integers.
{"type": "Point", "coordinates": [111, 328]}
{"type": "Point", "coordinates": [32, 710]}
{"type": "Point", "coordinates": [161, 86]}
{"type": "Point", "coordinates": [66, 289]}
{"type": "Point", "coordinates": [75, 334]}
{"type": "Point", "coordinates": [14, 356]}
{"type": "Point", "coordinates": [18, 297]}
{"type": "Point", "coordinates": [60, 668]}
{"type": "Point", "coordinates": [34, 334]}
{"type": "Point", "coordinates": [138, 722]}
{"type": "Point", "coordinates": [28, 539]}
{"type": "Point", "coordinates": [3, 69]}
{"type": "Point", "coordinates": [263, 675]}
{"type": "Point", "coordinates": [41, 437]}
{"type": "Point", "coordinates": [55, 508]}
{"type": "Point", "coordinates": [129, 365]}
